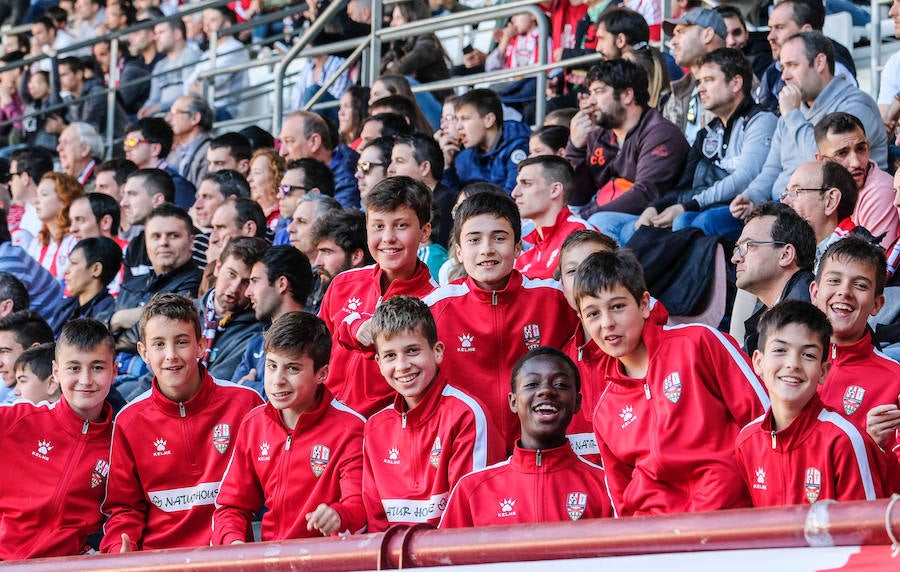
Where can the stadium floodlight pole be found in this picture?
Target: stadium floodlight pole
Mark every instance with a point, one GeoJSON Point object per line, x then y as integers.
{"type": "Point", "coordinates": [113, 89]}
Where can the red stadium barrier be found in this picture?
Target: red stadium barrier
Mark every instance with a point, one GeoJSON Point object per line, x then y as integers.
{"type": "Point", "coordinates": [824, 524]}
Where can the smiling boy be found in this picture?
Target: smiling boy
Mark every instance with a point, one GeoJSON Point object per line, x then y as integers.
{"type": "Point", "coordinates": [849, 287]}
{"type": "Point", "coordinates": [674, 401]}
{"type": "Point", "coordinates": [398, 215]}
{"type": "Point", "coordinates": [434, 433]}
{"type": "Point", "coordinates": [545, 394]}
{"type": "Point", "coordinates": [492, 318]}
{"type": "Point", "coordinates": [301, 454]}
{"type": "Point", "coordinates": [802, 451]}
{"type": "Point", "coordinates": [171, 445]}
{"type": "Point", "coordinates": [56, 457]}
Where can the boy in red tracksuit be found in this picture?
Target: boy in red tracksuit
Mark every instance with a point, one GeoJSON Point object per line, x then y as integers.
{"type": "Point", "coordinates": [674, 398]}
{"type": "Point", "coordinates": [434, 433]}
{"type": "Point", "coordinates": [300, 455]}
{"type": "Point", "coordinates": [398, 215]}
{"type": "Point", "coordinates": [543, 188]}
{"type": "Point", "coordinates": [849, 287]}
{"type": "Point", "coordinates": [802, 451]}
{"type": "Point", "coordinates": [171, 445]}
{"type": "Point", "coordinates": [492, 318]}
{"type": "Point", "coordinates": [56, 457]}
{"type": "Point", "coordinates": [544, 480]}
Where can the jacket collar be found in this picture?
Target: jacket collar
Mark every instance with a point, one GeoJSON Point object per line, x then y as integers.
{"type": "Point", "coordinates": [426, 408]}
{"type": "Point", "coordinates": [73, 423]}
{"type": "Point", "coordinates": [843, 354]}
{"type": "Point", "coordinates": [185, 408]}
{"type": "Point", "coordinates": [420, 277]}
{"type": "Point", "coordinates": [542, 460]}
{"type": "Point", "coordinates": [793, 436]}
{"type": "Point", "coordinates": [547, 231]}
{"type": "Point", "coordinates": [507, 294]}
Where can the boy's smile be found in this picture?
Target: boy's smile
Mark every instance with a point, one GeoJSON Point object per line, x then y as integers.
{"type": "Point", "coordinates": [545, 400]}
{"type": "Point", "coordinates": [846, 293]}
{"type": "Point", "coordinates": [394, 238]}
{"type": "Point", "coordinates": [488, 250]}
{"type": "Point", "coordinates": [172, 350]}
{"type": "Point", "coordinates": [408, 363]}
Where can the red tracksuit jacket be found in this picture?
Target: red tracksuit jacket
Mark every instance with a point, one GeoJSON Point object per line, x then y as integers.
{"type": "Point", "coordinates": [549, 485]}
{"type": "Point", "coordinates": [820, 455]}
{"type": "Point", "coordinates": [54, 470]}
{"type": "Point", "coordinates": [861, 377]}
{"type": "Point", "coordinates": [292, 472]}
{"type": "Point", "coordinates": [667, 440]}
{"type": "Point", "coordinates": [166, 464]}
{"type": "Point", "coordinates": [590, 360]}
{"type": "Point", "coordinates": [542, 259]}
{"type": "Point", "coordinates": [486, 332]}
{"type": "Point", "coordinates": [351, 299]}
{"type": "Point", "coordinates": [412, 459]}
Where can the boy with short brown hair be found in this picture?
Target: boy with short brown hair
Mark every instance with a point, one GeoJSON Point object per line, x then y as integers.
{"type": "Point", "coordinates": [171, 445]}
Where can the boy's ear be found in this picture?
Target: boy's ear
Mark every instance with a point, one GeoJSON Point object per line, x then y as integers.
{"type": "Point", "coordinates": [54, 370]}
{"type": "Point", "coordinates": [813, 292]}
{"type": "Point", "coordinates": [826, 367]}
{"type": "Point", "coordinates": [490, 120]}
{"type": "Point", "coordinates": [556, 190]}
{"type": "Point", "coordinates": [438, 350]}
{"type": "Point", "coordinates": [426, 233]}
{"type": "Point", "coordinates": [142, 351]}
{"type": "Point", "coordinates": [513, 406]}
{"type": "Point", "coordinates": [577, 404]}
{"type": "Point", "coordinates": [518, 248]}
{"type": "Point", "coordinates": [644, 305]}
{"type": "Point", "coordinates": [322, 374]}
{"type": "Point", "coordinates": [879, 303]}
{"type": "Point", "coordinates": [106, 223]}
{"type": "Point", "coordinates": [52, 386]}
{"type": "Point", "coordinates": [757, 362]}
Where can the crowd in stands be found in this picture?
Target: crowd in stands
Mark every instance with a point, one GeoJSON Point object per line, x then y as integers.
{"type": "Point", "coordinates": [413, 307]}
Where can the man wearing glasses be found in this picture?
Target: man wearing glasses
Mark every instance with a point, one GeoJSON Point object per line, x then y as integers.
{"type": "Point", "coordinates": [147, 144]}
{"type": "Point", "coordinates": [773, 260]}
{"type": "Point", "coordinates": [302, 176]}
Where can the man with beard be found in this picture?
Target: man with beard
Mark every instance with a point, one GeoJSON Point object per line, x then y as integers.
{"type": "Point", "coordinates": [841, 138]}
{"type": "Point", "coordinates": [624, 153]}
{"type": "Point", "coordinates": [280, 282]}
{"type": "Point", "coordinates": [340, 241]}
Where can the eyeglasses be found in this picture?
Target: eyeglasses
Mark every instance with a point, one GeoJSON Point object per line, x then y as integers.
{"type": "Point", "coordinates": [365, 166]}
{"type": "Point", "coordinates": [15, 174]}
{"type": "Point", "coordinates": [185, 111]}
{"type": "Point", "coordinates": [741, 250]}
{"type": "Point", "coordinates": [794, 194]}
{"type": "Point", "coordinates": [284, 190]}
{"type": "Point", "coordinates": [131, 142]}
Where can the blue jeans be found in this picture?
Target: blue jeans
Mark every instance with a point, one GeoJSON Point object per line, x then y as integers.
{"type": "Point", "coordinates": [618, 226]}
{"type": "Point", "coordinates": [716, 221]}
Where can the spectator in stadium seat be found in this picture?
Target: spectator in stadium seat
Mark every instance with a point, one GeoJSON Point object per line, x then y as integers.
{"type": "Point", "coordinates": [787, 19]}
{"type": "Point", "coordinates": [695, 34]}
{"type": "Point", "coordinates": [110, 179]}
{"type": "Point", "coordinates": [812, 91]}
{"type": "Point", "coordinates": [52, 245]}
{"type": "Point", "coordinates": [89, 19]}
{"type": "Point", "coordinates": [142, 46]}
{"type": "Point", "coordinates": [421, 56]}
{"type": "Point", "coordinates": [372, 166]}
{"type": "Point", "coordinates": [26, 168]}
{"type": "Point", "coordinates": [119, 15]}
{"type": "Point", "coordinates": [306, 135]}
{"type": "Point", "coordinates": [80, 148]}
{"type": "Point", "coordinates": [774, 256]}
{"type": "Point", "coordinates": [94, 215]}
{"type": "Point", "coordinates": [625, 178]}
{"type": "Point", "coordinates": [419, 156]}
{"type": "Point", "coordinates": [353, 108]}
{"type": "Point", "coordinates": [170, 74]}
{"type": "Point", "coordinates": [340, 241]}
{"type": "Point", "coordinates": [493, 147]}
{"type": "Point", "coordinates": [93, 265]}
{"type": "Point", "coordinates": [191, 119]}
{"type": "Point", "coordinates": [757, 51]}
{"type": "Point", "coordinates": [133, 80]}
{"type": "Point", "coordinates": [310, 207]}
{"type": "Point", "coordinates": [46, 293]}
{"type": "Point", "coordinates": [280, 282]}
{"type": "Point", "coordinates": [18, 332]}
{"type": "Point", "coordinates": [383, 125]}
{"type": "Point", "coordinates": [144, 190]}
{"type": "Point", "coordinates": [727, 154]}
{"type": "Point", "coordinates": [229, 51]}
{"type": "Point", "coordinates": [841, 137]}
{"type": "Point", "coordinates": [225, 313]}
{"type": "Point", "coordinates": [300, 177]}
{"type": "Point", "coordinates": [236, 217]}
{"type": "Point", "coordinates": [147, 143]}
{"type": "Point", "coordinates": [229, 151]}
{"type": "Point", "coordinates": [86, 100]}
{"type": "Point", "coordinates": [266, 170]}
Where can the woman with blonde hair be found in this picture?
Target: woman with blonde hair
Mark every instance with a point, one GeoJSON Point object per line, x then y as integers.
{"type": "Point", "coordinates": [51, 247]}
{"type": "Point", "coordinates": [266, 169]}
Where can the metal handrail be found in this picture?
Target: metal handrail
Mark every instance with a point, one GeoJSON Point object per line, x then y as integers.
{"type": "Point", "coordinates": [311, 32]}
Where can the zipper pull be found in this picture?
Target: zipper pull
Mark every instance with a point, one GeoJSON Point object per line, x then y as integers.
{"type": "Point", "coordinates": [181, 409]}
{"type": "Point", "coordinates": [84, 428]}
{"type": "Point", "coordinates": [287, 444]}
{"type": "Point", "coordinates": [580, 352]}
{"type": "Point", "coordinates": [494, 298]}
{"type": "Point", "coordinates": [647, 391]}
{"type": "Point", "coordinates": [833, 351]}
{"type": "Point", "coordinates": [774, 440]}
{"type": "Point", "coordinates": [403, 420]}
{"type": "Point", "coordinates": [538, 458]}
